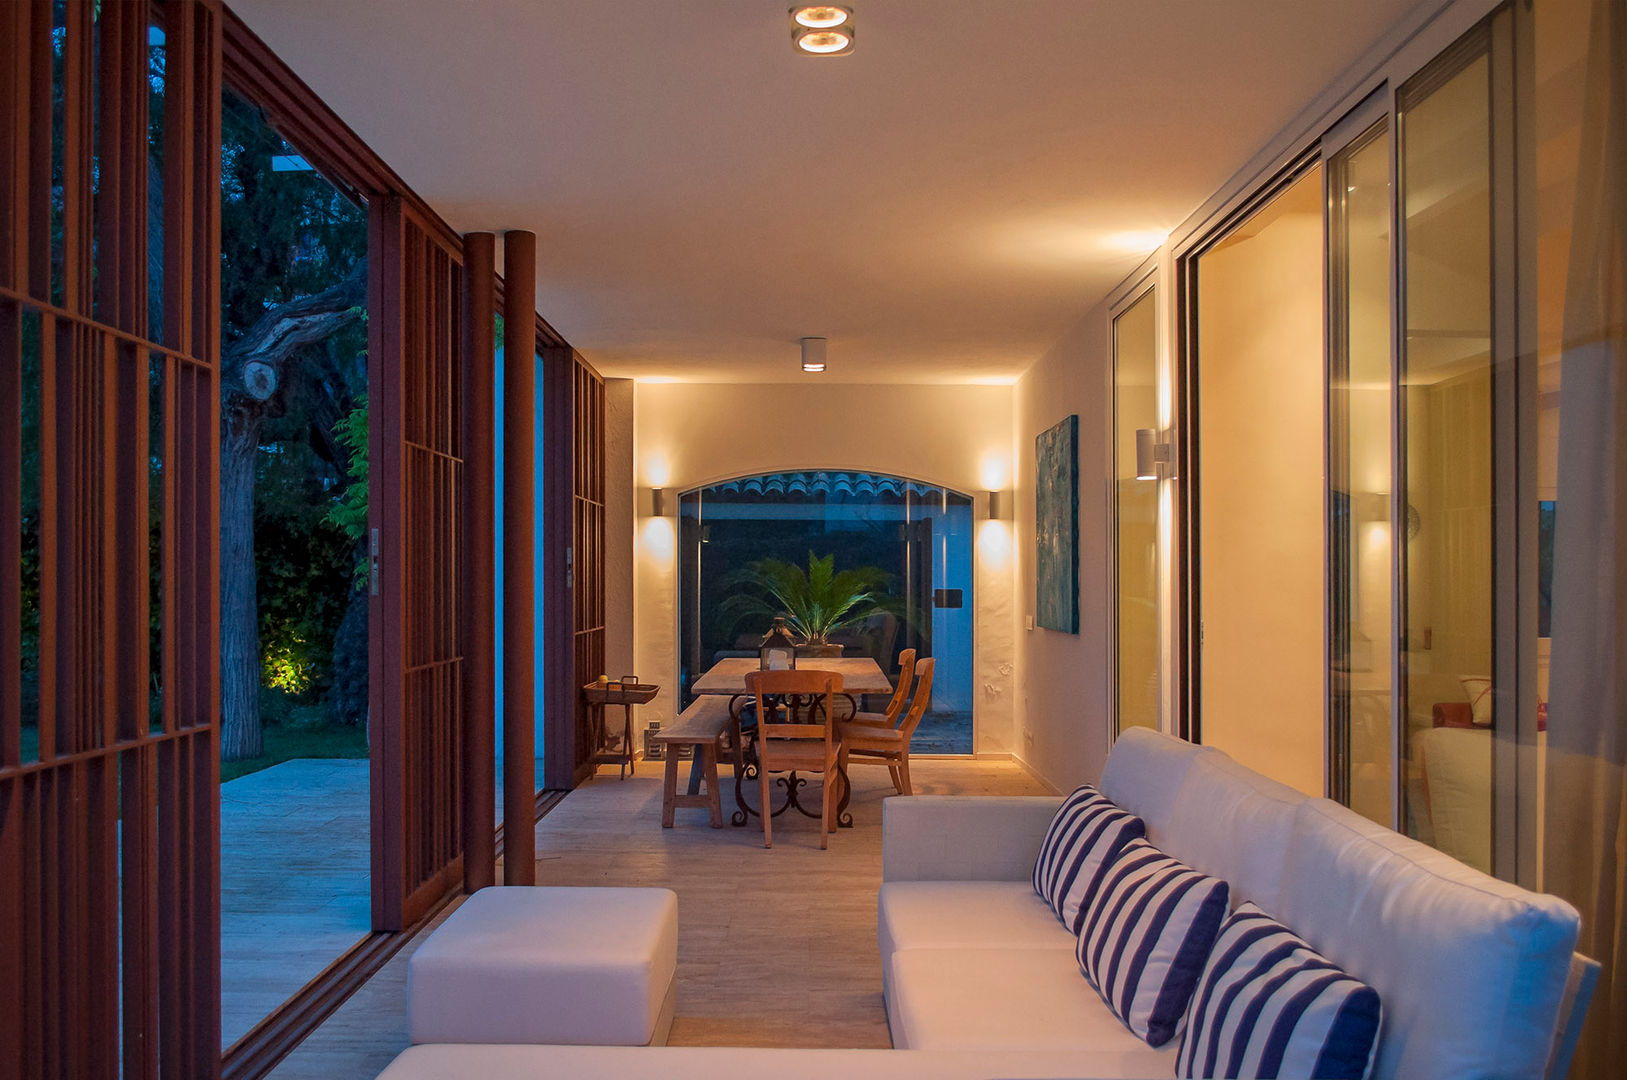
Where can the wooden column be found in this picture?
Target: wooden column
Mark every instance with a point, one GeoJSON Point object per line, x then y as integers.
{"type": "Point", "coordinates": [519, 547]}
{"type": "Point", "coordinates": [478, 607]}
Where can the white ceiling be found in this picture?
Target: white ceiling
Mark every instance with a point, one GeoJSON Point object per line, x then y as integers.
{"type": "Point", "coordinates": [941, 205]}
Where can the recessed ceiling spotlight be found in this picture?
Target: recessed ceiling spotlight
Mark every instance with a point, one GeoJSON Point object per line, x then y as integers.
{"type": "Point", "coordinates": [821, 16]}
{"type": "Point", "coordinates": [813, 354]}
{"type": "Point", "coordinates": [822, 30]}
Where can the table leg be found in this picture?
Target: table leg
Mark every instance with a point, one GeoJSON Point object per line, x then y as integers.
{"type": "Point", "coordinates": [844, 819]}
{"type": "Point", "coordinates": [696, 768]}
{"type": "Point", "coordinates": [669, 789]}
{"type": "Point", "coordinates": [627, 765]}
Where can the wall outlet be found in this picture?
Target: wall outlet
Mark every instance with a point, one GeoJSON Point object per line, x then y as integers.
{"type": "Point", "coordinates": [1028, 738]}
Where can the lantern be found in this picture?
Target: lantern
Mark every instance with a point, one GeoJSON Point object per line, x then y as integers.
{"type": "Point", "coordinates": [778, 652]}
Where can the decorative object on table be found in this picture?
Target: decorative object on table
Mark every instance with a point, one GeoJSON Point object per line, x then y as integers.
{"type": "Point", "coordinates": [814, 603]}
{"type": "Point", "coordinates": [778, 651]}
{"type": "Point", "coordinates": [626, 692]}
{"type": "Point", "coordinates": [1056, 532]}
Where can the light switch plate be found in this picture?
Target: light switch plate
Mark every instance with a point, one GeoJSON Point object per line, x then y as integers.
{"type": "Point", "coordinates": [1028, 622]}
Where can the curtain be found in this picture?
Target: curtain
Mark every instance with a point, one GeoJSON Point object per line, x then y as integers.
{"type": "Point", "coordinates": [1586, 819]}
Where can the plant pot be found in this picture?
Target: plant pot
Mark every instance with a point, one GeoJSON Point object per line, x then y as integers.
{"type": "Point", "coordinates": [822, 650]}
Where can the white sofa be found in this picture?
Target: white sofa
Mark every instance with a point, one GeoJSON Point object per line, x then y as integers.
{"type": "Point", "coordinates": [1473, 972]}
{"type": "Point", "coordinates": [1477, 977]}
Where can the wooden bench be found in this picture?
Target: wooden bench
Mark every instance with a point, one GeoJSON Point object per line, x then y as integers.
{"type": "Point", "coordinates": [702, 726]}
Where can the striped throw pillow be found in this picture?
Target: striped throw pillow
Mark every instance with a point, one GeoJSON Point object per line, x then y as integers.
{"type": "Point", "coordinates": [1269, 1005]}
{"type": "Point", "coordinates": [1085, 836]}
{"type": "Point", "coordinates": [1145, 937]}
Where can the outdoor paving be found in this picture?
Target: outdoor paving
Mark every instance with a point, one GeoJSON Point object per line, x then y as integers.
{"type": "Point", "coordinates": [293, 880]}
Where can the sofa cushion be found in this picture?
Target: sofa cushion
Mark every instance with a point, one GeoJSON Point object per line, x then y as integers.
{"type": "Point", "coordinates": [1269, 1005]}
{"type": "Point", "coordinates": [453, 1062]}
{"type": "Point", "coordinates": [1230, 822]}
{"type": "Point", "coordinates": [1085, 836]}
{"type": "Point", "coordinates": [1471, 969]}
{"type": "Point", "coordinates": [1144, 772]}
{"type": "Point", "coordinates": [1146, 936]}
{"type": "Point", "coordinates": [1005, 999]}
{"type": "Point", "coordinates": [965, 914]}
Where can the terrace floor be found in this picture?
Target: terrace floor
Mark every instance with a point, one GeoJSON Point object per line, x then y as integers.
{"type": "Point", "coordinates": [776, 947]}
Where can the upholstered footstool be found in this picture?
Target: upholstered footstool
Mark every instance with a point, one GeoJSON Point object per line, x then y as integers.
{"type": "Point", "coordinates": [591, 966]}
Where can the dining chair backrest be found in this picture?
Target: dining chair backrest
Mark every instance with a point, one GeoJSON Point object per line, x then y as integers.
{"type": "Point", "coordinates": [820, 722]}
{"type": "Point", "coordinates": [901, 692]}
{"type": "Point", "coordinates": [922, 698]}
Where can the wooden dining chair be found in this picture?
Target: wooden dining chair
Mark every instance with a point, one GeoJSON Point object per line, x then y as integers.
{"type": "Point", "coordinates": [811, 744]}
{"type": "Point", "coordinates": [869, 742]}
{"type": "Point", "coordinates": [901, 694]}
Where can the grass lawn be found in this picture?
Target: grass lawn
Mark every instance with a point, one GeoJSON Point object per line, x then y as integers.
{"type": "Point", "coordinates": [280, 744]}
{"type": "Point", "coordinates": [283, 744]}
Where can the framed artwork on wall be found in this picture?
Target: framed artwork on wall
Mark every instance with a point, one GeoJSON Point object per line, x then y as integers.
{"type": "Point", "coordinates": [1056, 531]}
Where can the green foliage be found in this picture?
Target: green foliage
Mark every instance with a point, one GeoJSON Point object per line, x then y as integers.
{"type": "Point", "coordinates": [349, 513]}
{"type": "Point", "coordinates": [816, 603]}
{"type": "Point", "coordinates": [295, 731]}
{"type": "Point", "coordinates": [286, 235]}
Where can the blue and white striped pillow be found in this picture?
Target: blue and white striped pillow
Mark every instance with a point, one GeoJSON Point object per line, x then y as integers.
{"type": "Point", "coordinates": [1145, 937]}
{"type": "Point", "coordinates": [1269, 1005]}
{"type": "Point", "coordinates": [1086, 835]}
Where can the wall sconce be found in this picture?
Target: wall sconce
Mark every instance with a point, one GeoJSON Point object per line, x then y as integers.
{"type": "Point", "coordinates": [1153, 455]}
{"type": "Point", "coordinates": [997, 506]}
{"type": "Point", "coordinates": [658, 502]}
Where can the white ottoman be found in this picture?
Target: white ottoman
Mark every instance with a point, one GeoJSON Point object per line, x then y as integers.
{"type": "Point", "coordinates": [587, 966]}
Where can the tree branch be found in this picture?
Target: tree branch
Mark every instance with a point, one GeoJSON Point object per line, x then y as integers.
{"type": "Point", "coordinates": [252, 367]}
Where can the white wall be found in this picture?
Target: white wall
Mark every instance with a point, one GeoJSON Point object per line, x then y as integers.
{"type": "Point", "coordinates": [618, 527]}
{"type": "Point", "coordinates": [690, 434]}
{"type": "Point", "coordinates": [1062, 712]}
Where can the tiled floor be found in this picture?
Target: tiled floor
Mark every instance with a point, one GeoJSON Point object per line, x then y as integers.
{"type": "Point", "coordinates": [775, 947]}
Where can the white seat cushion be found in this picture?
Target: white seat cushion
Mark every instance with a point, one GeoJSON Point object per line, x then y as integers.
{"type": "Point", "coordinates": [965, 914]}
{"type": "Point", "coordinates": [727, 1062]}
{"type": "Point", "coordinates": [1233, 823]}
{"type": "Point", "coordinates": [1144, 772]}
{"type": "Point", "coordinates": [1007, 999]}
{"type": "Point", "coordinates": [546, 965]}
{"type": "Point", "coordinates": [1470, 969]}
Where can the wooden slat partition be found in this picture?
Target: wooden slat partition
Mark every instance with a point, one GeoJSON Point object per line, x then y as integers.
{"type": "Point", "coordinates": [573, 559]}
{"type": "Point", "coordinates": [478, 586]}
{"type": "Point", "coordinates": [416, 446]}
{"type": "Point", "coordinates": [519, 555]}
{"type": "Point", "coordinates": [109, 923]}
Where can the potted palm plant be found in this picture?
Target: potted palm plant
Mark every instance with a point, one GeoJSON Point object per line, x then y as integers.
{"type": "Point", "coordinates": [815, 603]}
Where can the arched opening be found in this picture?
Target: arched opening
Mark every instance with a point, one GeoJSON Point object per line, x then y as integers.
{"type": "Point", "coordinates": [903, 546]}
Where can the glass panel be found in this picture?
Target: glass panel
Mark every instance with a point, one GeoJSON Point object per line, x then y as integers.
{"type": "Point", "coordinates": [905, 543]}
{"type": "Point", "coordinates": [1135, 518]}
{"type": "Point", "coordinates": [1446, 372]}
{"type": "Point", "coordinates": [31, 507]}
{"type": "Point", "coordinates": [294, 815]}
{"type": "Point", "coordinates": [1262, 535]}
{"type": "Point", "coordinates": [1359, 396]}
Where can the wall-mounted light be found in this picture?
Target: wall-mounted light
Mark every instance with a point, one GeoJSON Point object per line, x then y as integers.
{"type": "Point", "coordinates": [822, 29]}
{"type": "Point", "coordinates": [658, 502]}
{"type": "Point", "coordinates": [1153, 455]}
{"type": "Point", "coordinates": [813, 354]}
{"type": "Point", "coordinates": [997, 505]}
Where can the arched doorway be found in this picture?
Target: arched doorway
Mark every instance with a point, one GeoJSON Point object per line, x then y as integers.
{"type": "Point", "coordinates": [911, 540]}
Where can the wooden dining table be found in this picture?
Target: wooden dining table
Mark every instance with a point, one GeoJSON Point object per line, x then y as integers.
{"type": "Point", "coordinates": [860, 675]}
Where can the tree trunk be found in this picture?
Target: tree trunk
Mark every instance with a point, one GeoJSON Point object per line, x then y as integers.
{"type": "Point", "coordinates": [240, 735]}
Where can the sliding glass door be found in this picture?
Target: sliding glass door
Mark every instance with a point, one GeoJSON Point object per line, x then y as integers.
{"type": "Point", "coordinates": [1360, 507]}
{"type": "Point", "coordinates": [1135, 515]}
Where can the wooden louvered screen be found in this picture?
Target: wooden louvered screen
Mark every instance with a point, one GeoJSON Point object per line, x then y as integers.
{"type": "Point", "coordinates": [588, 544]}
{"type": "Point", "coordinates": [109, 339]}
{"type": "Point", "coordinates": [415, 371]}
{"type": "Point", "coordinates": [573, 560]}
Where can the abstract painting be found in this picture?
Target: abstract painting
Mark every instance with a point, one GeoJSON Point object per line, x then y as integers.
{"type": "Point", "coordinates": [1056, 539]}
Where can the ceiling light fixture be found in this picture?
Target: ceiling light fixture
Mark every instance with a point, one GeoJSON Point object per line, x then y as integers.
{"type": "Point", "coordinates": [822, 30]}
{"type": "Point", "coordinates": [821, 16]}
{"type": "Point", "coordinates": [813, 354]}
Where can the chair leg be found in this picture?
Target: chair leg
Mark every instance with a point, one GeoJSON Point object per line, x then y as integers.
{"type": "Point", "coordinates": [904, 774]}
{"type": "Point", "coordinates": [825, 828]}
{"type": "Point", "coordinates": [892, 771]}
{"type": "Point", "coordinates": [767, 811]}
